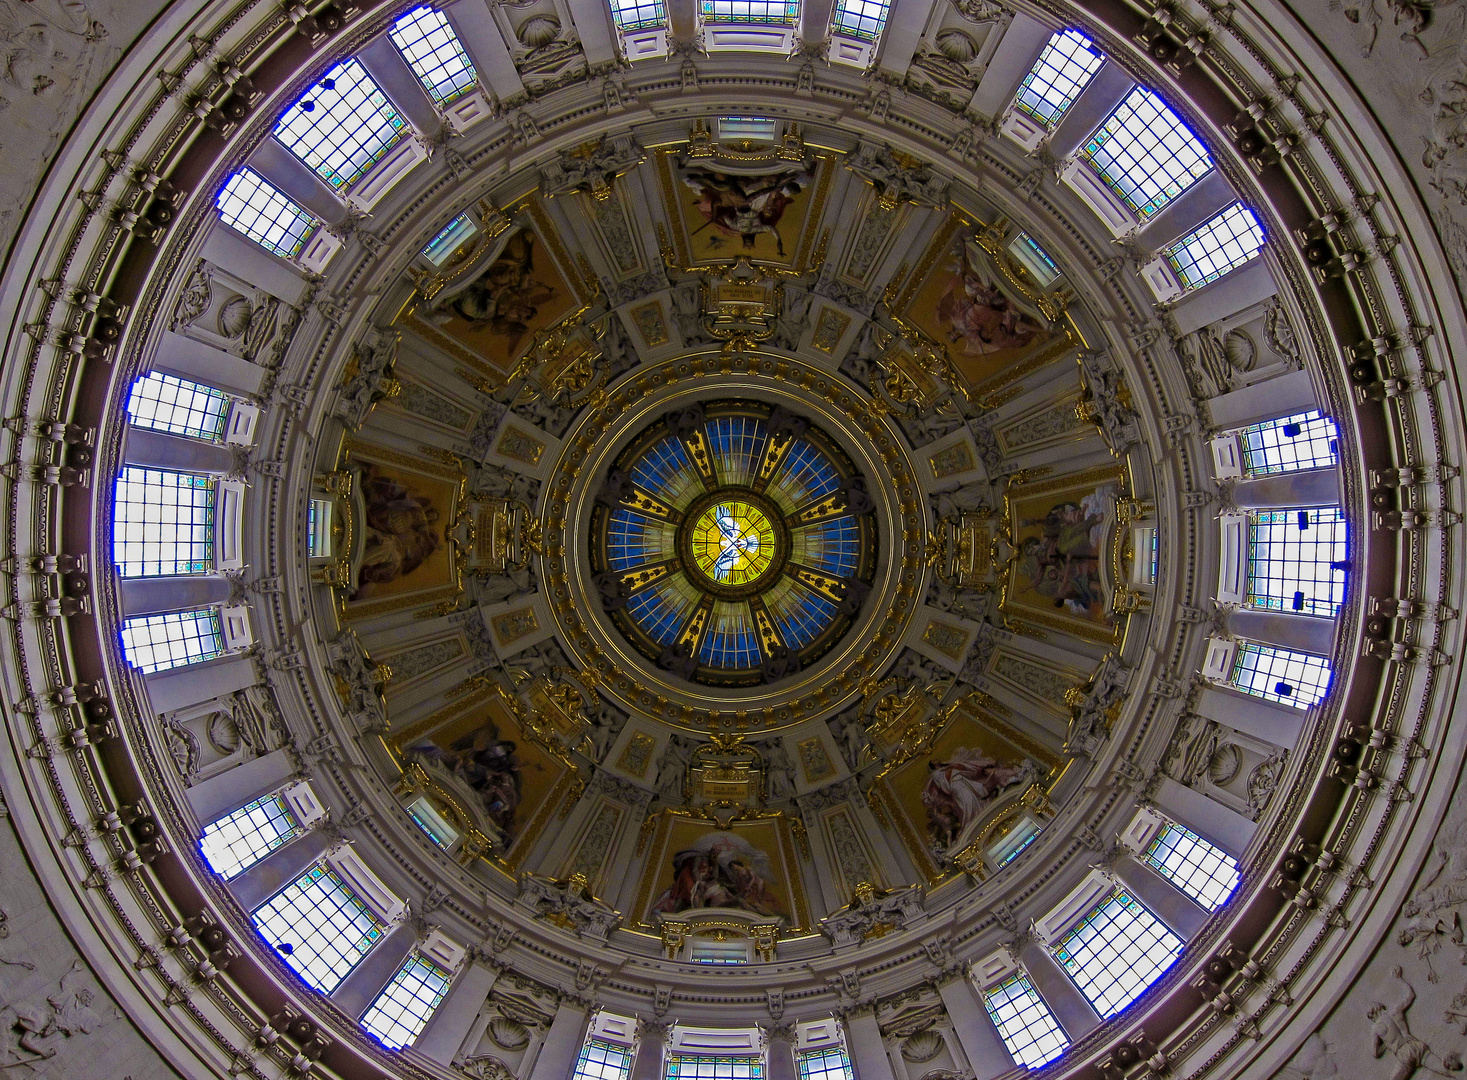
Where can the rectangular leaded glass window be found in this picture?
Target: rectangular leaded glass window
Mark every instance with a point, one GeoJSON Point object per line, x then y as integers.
{"type": "Point", "coordinates": [1034, 259]}
{"type": "Point", "coordinates": [690, 1067]}
{"type": "Point", "coordinates": [342, 126]}
{"type": "Point", "coordinates": [771, 12]}
{"type": "Point", "coordinates": [403, 1008]}
{"type": "Point", "coordinates": [1024, 1022]}
{"type": "Point", "coordinates": [1058, 77]}
{"type": "Point", "coordinates": [1117, 951]}
{"type": "Point", "coordinates": [1305, 440]}
{"type": "Point", "coordinates": [864, 19]}
{"type": "Point", "coordinates": [450, 239]}
{"type": "Point", "coordinates": [709, 951]}
{"type": "Point", "coordinates": [431, 48]}
{"type": "Point", "coordinates": [237, 841]}
{"type": "Point", "coordinates": [1145, 153]}
{"type": "Point", "coordinates": [750, 128]}
{"type": "Point", "coordinates": [318, 528]}
{"type": "Point", "coordinates": [427, 817]}
{"type": "Point", "coordinates": [256, 208]}
{"type": "Point", "coordinates": [602, 1061]}
{"type": "Point", "coordinates": [1296, 560]}
{"type": "Point", "coordinates": [159, 642]}
{"type": "Point", "coordinates": [162, 402]}
{"type": "Point", "coordinates": [162, 523]}
{"type": "Point", "coordinates": [1293, 678]}
{"type": "Point", "coordinates": [1203, 872]}
{"type": "Point", "coordinates": [1221, 244]}
{"type": "Point", "coordinates": [319, 926]}
{"type": "Point", "coordinates": [638, 14]}
{"type": "Point", "coordinates": [829, 1064]}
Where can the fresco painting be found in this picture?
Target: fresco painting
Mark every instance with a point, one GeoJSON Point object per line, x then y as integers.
{"type": "Point", "coordinates": [404, 513]}
{"type": "Point", "coordinates": [700, 866]}
{"type": "Point", "coordinates": [497, 313]}
{"type": "Point", "coordinates": [944, 792]}
{"type": "Point", "coordinates": [963, 305]}
{"type": "Point", "coordinates": [489, 759]}
{"type": "Point", "coordinates": [1062, 535]}
{"type": "Point", "coordinates": [727, 216]}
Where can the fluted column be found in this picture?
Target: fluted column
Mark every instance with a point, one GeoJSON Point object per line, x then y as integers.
{"type": "Point", "coordinates": [1182, 915]}
{"type": "Point", "coordinates": [562, 1042]}
{"type": "Point", "coordinates": [401, 85]}
{"type": "Point", "coordinates": [651, 1056]}
{"type": "Point", "coordinates": [374, 971]}
{"type": "Point", "coordinates": [455, 1016]}
{"type": "Point", "coordinates": [148, 596]}
{"type": "Point", "coordinates": [987, 1055]}
{"type": "Point", "coordinates": [1208, 818]}
{"type": "Point", "coordinates": [1107, 89]}
{"type": "Point", "coordinates": [1303, 633]}
{"type": "Point", "coordinates": [1309, 487]}
{"type": "Point", "coordinates": [283, 865]}
{"type": "Point", "coordinates": [159, 450]}
{"type": "Point", "coordinates": [779, 1052]}
{"type": "Point", "coordinates": [298, 181]}
{"type": "Point", "coordinates": [1074, 1013]}
{"type": "Point", "coordinates": [1023, 41]}
{"type": "Point", "coordinates": [868, 1049]}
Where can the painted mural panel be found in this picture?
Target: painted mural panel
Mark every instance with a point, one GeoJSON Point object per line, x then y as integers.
{"type": "Point", "coordinates": [946, 791]}
{"type": "Point", "coordinates": [1062, 532]}
{"type": "Point", "coordinates": [496, 312]}
{"type": "Point", "coordinates": [748, 866]}
{"type": "Point", "coordinates": [765, 215]}
{"type": "Point", "coordinates": [964, 302]}
{"type": "Point", "coordinates": [402, 507]}
{"type": "Point", "coordinates": [480, 754]}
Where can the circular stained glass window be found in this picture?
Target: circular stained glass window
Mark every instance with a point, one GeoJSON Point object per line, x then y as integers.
{"type": "Point", "coordinates": [732, 543]}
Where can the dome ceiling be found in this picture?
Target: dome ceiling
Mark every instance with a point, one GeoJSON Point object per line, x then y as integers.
{"type": "Point", "coordinates": [727, 498]}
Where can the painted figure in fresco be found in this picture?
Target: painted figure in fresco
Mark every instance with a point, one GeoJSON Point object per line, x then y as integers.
{"type": "Point", "coordinates": [959, 789]}
{"type": "Point", "coordinates": [979, 318]}
{"type": "Point", "coordinates": [1062, 563]}
{"type": "Point", "coordinates": [720, 870]}
{"type": "Point", "coordinates": [487, 764]}
{"type": "Point", "coordinates": [743, 206]}
{"type": "Point", "coordinates": [506, 297]}
{"type": "Point", "coordinates": [402, 529]}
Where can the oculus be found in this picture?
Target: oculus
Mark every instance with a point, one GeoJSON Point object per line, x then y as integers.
{"type": "Point", "coordinates": [732, 543]}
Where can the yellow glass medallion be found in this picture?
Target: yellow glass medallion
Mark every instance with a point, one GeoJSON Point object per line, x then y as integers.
{"type": "Point", "coordinates": [733, 543]}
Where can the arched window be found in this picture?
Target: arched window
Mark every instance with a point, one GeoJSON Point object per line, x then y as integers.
{"type": "Point", "coordinates": [1296, 560]}
{"type": "Point", "coordinates": [1205, 873]}
{"type": "Point", "coordinates": [342, 126]}
{"type": "Point", "coordinates": [1293, 678]}
{"type": "Point", "coordinates": [159, 642]}
{"type": "Point", "coordinates": [1306, 440]}
{"type": "Point", "coordinates": [828, 1064]}
{"type": "Point", "coordinates": [235, 842]}
{"type": "Point", "coordinates": [1145, 154]}
{"type": "Point", "coordinates": [177, 406]}
{"type": "Point", "coordinates": [1116, 951]}
{"type": "Point", "coordinates": [319, 926]}
{"type": "Point", "coordinates": [163, 523]}
{"type": "Point", "coordinates": [400, 1012]}
{"type": "Point", "coordinates": [253, 206]}
{"type": "Point", "coordinates": [1058, 77]}
{"type": "Point", "coordinates": [1222, 243]}
{"type": "Point", "coordinates": [431, 48]}
{"type": "Point", "coordinates": [1024, 1022]}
